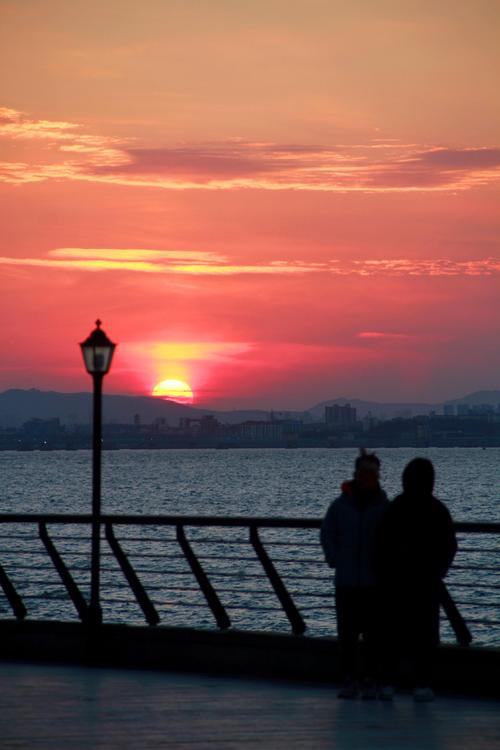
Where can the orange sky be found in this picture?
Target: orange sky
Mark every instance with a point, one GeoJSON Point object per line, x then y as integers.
{"type": "Point", "coordinates": [277, 202]}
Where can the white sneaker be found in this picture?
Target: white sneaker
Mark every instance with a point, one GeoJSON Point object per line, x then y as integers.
{"type": "Point", "coordinates": [423, 695]}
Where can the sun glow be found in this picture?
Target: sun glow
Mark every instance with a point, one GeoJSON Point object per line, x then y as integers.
{"type": "Point", "coordinates": [175, 390]}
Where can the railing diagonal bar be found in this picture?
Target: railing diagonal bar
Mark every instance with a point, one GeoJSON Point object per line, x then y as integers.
{"type": "Point", "coordinates": [145, 603]}
{"type": "Point", "coordinates": [457, 622]}
{"type": "Point", "coordinates": [473, 577]}
{"type": "Point", "coordinates": [206, 587]}
{"type": "Point", "coordinates": [10, 592]}
{"type": "Point", "coordinates": [74, 592]}
{"type": "Point", "coordinates": [286, 601]}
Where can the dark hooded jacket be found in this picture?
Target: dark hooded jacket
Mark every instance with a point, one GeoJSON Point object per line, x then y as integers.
{"type": "Point", "coordinates": [348, 534]}
{"type": "Point", "coordinates": [415, 543]}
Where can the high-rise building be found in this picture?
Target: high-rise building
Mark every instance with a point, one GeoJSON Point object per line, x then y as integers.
{"type": "Point", "coordinates": [340, 416]}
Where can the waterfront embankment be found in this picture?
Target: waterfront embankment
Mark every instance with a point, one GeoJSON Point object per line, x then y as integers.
{"type": "Point", "coordinates": [466, 671]}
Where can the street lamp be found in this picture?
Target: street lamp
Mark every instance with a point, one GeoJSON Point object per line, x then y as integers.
{"type": "Point", "coordinates": [97, 352]}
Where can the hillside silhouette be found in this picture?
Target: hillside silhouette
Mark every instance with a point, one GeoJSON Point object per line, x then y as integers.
{"type": "Point", "coordinates": [17, 406]}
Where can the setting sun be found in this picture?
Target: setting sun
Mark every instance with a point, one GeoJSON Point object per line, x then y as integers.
{"type": "Point", "coordinates": [176, 390]}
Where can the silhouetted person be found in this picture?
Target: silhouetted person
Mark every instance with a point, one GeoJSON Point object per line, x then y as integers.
{"type": "Point", "coordinates": [415, 547]}
{"type": "Point", "coordinates": [347, 536]}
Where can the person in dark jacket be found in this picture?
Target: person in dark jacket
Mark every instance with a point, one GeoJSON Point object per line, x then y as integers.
{"type": "Point", "coordinates": [347, 536]}
{"type": "Point", "coordinates": [415, 547]}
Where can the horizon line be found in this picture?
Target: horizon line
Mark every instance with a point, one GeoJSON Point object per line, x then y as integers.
{"type": "Point", "coordinates": [201, 407]}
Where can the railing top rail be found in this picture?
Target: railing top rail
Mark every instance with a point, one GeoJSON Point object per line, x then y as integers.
{"type": "Point", "coordinates": [234, 521]}
{"type": "Point", "coordinates": [163, 520]}
{"type": "Point", "coordinates": [477, 527]}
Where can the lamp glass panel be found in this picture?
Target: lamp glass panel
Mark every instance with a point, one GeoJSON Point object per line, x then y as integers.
{"type": "Point", "coordinates": [97, 358]}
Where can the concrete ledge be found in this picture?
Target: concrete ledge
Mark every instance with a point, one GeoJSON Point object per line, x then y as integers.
{"type": "Point", "coordinates": [474, 671]}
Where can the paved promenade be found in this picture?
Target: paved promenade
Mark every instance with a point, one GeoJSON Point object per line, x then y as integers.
{"type": "Point", "coordinates": [68, 708]}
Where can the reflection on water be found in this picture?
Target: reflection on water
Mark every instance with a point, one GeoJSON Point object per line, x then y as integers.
{"type": "Point", "coordinates": [265, 482]}
{"type": "Point", "coordinates": [270, 482]}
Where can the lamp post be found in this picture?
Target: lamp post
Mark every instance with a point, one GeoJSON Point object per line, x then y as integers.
{"type": "Point", "coordinates": [97, 352]}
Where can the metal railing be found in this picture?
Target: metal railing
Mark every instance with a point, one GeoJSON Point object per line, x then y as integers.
{"type": "Point", "coordinates": [248, 573]}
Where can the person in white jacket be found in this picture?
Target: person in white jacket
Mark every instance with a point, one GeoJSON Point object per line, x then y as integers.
{"type": "Point", "coordinates": [348, 535]}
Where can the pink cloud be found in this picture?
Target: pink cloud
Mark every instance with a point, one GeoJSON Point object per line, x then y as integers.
{"type": "Point", "coordinates": [174, 262]}
{"type": "Point", "coordinates": [382, 166]}
{"type": "Point", "coordinates": [205, 263]}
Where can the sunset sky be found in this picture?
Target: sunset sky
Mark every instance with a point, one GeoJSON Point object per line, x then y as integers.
{"type": "Point", "coordinates": [276, 202]}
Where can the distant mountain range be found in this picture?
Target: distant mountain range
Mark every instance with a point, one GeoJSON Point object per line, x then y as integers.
{"type": "Point", "coordinates": [18, 406]}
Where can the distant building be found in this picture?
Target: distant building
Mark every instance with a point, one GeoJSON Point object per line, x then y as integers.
{"type": "Point", "coordinates": [43, 427]}
{"type": "Point", "coordinates": [449, 410]}
{"type": "Point", "coordinates": [209, 424]}
{"type": "Point", "coordinates": [340, 416]}
{"type": "Point", "coordinates": [291, 426]}
{"type": "Point", "coordinates": [463, 410]}
{"type": "Point", "coordinates": [369, 422]}
{"type": "Point", "coordinates": [160, 424]}
{"type": "Point", "coordinates": [188, 425]}
{"type": "Point", "coordinates": [256, 431]}
{"type": "Point", "coordinates": [483, 409]}
{"type": "Point", "coordinates": [403, 414]}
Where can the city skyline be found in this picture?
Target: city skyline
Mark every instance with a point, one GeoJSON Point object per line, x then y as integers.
{"type": "Point", "coordinates": [336, 426]}
{"type": "Point", "coordinates": [18, 406]}
{"type": "Point", "coordinates": [271, 204]}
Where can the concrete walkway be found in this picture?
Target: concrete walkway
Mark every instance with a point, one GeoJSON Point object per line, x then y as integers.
{"type": "Point", "coordinates": [67, 707]}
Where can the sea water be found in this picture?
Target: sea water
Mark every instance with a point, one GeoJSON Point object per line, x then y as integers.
{"type": "Point", "coordinates": [247, 482]}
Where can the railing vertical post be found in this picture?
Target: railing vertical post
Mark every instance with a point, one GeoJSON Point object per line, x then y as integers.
{"type": "Point", "coordinates": [95, 611]}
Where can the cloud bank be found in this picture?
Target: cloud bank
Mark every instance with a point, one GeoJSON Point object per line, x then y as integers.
{"type": "Point", "coordinates": [200, 263]}
{"type": "Point", "coordinates": [235, 164]}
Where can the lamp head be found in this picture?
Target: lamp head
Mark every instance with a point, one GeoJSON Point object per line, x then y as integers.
{"type": "Point", "coordinates": [97, 351]}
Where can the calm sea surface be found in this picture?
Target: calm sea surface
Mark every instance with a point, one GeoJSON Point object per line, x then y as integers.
{"type": "Point", "coordinates": [268, 482]}
{"type": "Point", "coordinates": [259, 482]}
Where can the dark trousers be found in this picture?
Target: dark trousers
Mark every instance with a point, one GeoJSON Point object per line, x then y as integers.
{"type": "Point", "coordinates": [410, 628]}
{"type": "Point", "coordinates": [357, 617]}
